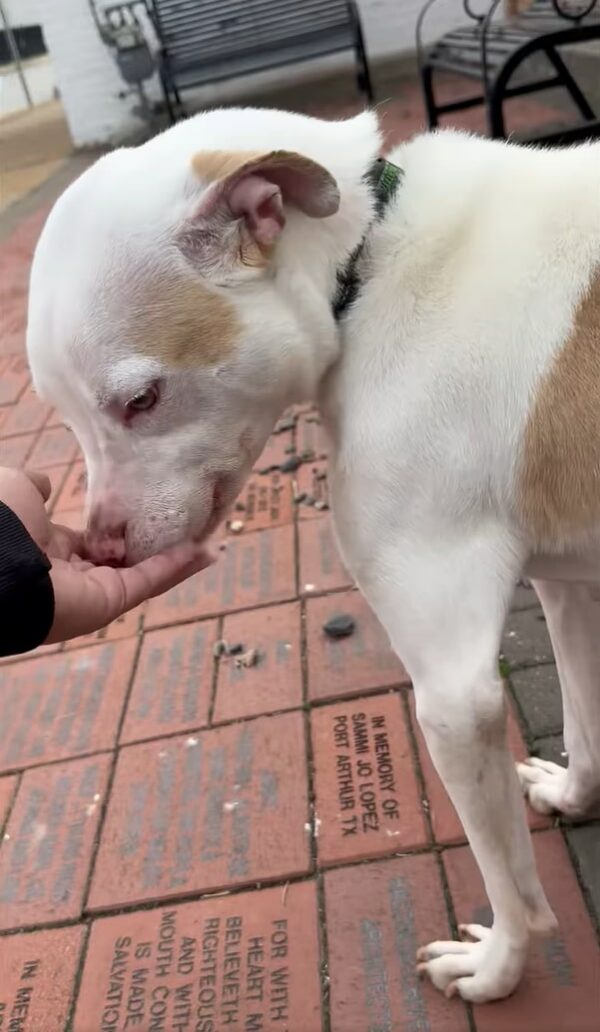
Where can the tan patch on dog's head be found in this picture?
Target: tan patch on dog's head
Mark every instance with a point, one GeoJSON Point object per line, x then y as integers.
{"type": "Point", "coordinates": [218, 164]}
{"type": "Point", "coordinates": [183, 323]}
{"type": "Point", "coordinates": [560, 474]}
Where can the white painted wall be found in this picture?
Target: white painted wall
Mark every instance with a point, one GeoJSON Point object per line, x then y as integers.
{"type": "Point", "coordinates": [90, 84]}
{"type": "Point", "coordinates": [38, 72]}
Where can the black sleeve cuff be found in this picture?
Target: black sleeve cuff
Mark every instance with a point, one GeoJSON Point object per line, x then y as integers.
{"type": "Point", "coordinates": [26, 592]}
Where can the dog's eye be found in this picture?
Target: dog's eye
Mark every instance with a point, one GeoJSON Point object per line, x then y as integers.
{"type": "Point", "coordinates": [144, 401]}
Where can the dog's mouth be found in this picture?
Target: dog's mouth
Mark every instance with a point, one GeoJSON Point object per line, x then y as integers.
{"type": "Point", "coordinates": [224, 492]}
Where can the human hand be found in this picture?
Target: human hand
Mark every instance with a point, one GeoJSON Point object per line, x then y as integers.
{"type": "Point", "coordinates": [89, 597]}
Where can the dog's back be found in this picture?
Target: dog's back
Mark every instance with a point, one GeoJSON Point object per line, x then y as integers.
{"type": "Point", "coordinates": [485, 290]}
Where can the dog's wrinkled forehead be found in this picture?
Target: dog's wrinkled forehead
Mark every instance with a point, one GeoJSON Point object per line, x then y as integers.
{"type": "Point", "coordinates": [164, 314]}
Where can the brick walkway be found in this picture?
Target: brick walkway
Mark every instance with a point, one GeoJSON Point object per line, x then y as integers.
{"type": "Point", "coordinates": [191, 844]}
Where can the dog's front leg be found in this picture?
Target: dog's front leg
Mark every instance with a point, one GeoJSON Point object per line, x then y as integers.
{"type": "Point", "coordinates": [444, 608]}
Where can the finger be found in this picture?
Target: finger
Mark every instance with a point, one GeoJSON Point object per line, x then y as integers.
{"type": "Point", "coordinates": [161, 572]}
{"type": "Point", "coordinates": [41, 482]}
{"type": "Point", "coordinates": [65, 542]}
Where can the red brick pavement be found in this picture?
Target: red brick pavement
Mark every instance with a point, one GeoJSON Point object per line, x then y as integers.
{"type": "Point", "coordinates": [189, 842]}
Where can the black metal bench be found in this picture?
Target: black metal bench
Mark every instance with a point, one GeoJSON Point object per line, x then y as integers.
{"type": "Point", "coordinates": [204, 41]}
{"type": "Point", "coordinates": [493, 51]}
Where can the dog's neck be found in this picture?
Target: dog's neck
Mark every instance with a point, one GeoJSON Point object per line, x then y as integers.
{"type": "Point", "coordinates": [383, 179]}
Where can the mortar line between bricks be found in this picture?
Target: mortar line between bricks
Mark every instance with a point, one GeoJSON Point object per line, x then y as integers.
{"type": "Point", "coordinates": [318, 593]}
{"type": "Point", "coordinates": [312, 800]}
{"type": "Point", "coordinates": [416, 764]}
{"type": "Point", "coordinates": [324, 954]}
{"type": "Point", "coordinates": [111, 778]}
{"type": "Point", "coordinates": [518, 710]}
{"type": "Point", "coordinates": [215, 674]}
{"type": "Point", "coordinates": [10, 808]}
{"type": "Point", "coordinates": [53, 763]}
{"type": "Point", "coordinates": [451, 914]}
{"type": "Point", "coordinates": [202, 896]}
{"type": "Point", "coordinates": [233, 721]}
{"type": "Point", "coordinates": [78, 977]}
{"type": "Point", "coordinates": [199, 728]}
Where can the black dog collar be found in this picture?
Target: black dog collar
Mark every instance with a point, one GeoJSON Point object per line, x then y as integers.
{"type": "Point", "coordinates": [383, 177]}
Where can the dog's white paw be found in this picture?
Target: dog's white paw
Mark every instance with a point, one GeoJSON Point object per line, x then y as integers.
{"type": "Point", "coordinates": [543, 784]}
{"type": "Point", "coordinates": [488, 968]}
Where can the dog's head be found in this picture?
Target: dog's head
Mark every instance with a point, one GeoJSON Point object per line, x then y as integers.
{"type": "Point", "coordinates": [179, 300]}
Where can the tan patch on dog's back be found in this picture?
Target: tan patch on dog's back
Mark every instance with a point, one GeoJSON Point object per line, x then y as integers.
{"type": "Point", "coordinates": [184, 324]}
{"type": "Point", "coordinates": [560, 474]}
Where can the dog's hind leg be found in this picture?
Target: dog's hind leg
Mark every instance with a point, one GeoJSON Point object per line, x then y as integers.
{"type": "Point", "coordinates": [573, 618]}
{"type": "Point", "coordinates": [443, 602]}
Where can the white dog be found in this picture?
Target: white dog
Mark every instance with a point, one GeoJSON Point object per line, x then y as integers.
{"type": "Point", "coordinates": [447, 319]}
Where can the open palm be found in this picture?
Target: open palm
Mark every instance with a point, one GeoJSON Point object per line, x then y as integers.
{"type": "Point", "coordinates": [89, 597]}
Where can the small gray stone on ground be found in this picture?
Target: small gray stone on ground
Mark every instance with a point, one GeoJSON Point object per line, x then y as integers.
{"type": "Point", "coordinates": [339, 626]}
{"type": "Point", "coordinates": [291, 464]}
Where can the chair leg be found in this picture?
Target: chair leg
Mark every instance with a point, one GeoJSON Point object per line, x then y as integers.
{"type": "Point", "coordinates": [577, 96]}
{"type": "Point", "coordinates": [363, 75]}
{"type": "Point", "coordinates": [429, 96]}
{"type": "Point", "coordinates": [167, 96]}
{"type": "Point", "coordinates": [495, 112]}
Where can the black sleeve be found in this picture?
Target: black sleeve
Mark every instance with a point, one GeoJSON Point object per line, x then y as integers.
{"type": "Point", "coordinates": [26, 592]}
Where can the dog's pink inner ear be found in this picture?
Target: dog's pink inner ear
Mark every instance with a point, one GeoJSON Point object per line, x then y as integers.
{"type": "Point", "coordinates": [260, 203]}
{"type": "Point", "coordinates": [259, 188]}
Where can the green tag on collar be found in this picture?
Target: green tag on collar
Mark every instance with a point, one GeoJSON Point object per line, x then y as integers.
{"type": "Point", "coordinates": [384, 178]}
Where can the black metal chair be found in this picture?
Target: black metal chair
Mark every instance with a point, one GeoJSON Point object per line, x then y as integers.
{"type": "Point", "coordinates": [204, 41]}
{"type": "Point", "coordinates": [492, 51]}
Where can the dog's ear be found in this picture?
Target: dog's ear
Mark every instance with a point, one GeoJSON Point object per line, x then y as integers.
{"type": "Point", "coordinates": [242, 210]}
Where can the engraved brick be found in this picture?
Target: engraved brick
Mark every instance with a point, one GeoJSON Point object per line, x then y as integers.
{"type": "Point", "coordinates": [254, 569]}
{"type": "Point", "coordinates": [173, 682]}
{"type": "Point", "coordinates": [377, 917]}
{"type": "Point", "coordinates": [206, 811]}
{"type": "Point", "coordinates": [38, 979]}
{"type": "Point", "coordinates": [348, 666]}
{"type": "Point", "coordinates": [560, 990]}
{"type": "Point", "coordinates": [46, 852]}
{"type": "Point", "coordinates": [249, 961]}
{"type": "Point", "coordinates": [368, 800]}
{"type": "Point", "coordinates": [310, 435]}
{"type": "Point", "coordinates": [312, 481]}
{"type": "Point", "coordinates": [445, 822]}
{"type": "Point", "coordinates": [275, 451]}
{"type": "Point", "coordinates": [275, 682]}
{"type": "Point", "coordinates": [321, 568]}
{"type": "Point", "coordinates": [267, 501]}
{"type": "Point", "coordinates": [53, 447]}
{"type": "Point", "coordinates": [62, 705]}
